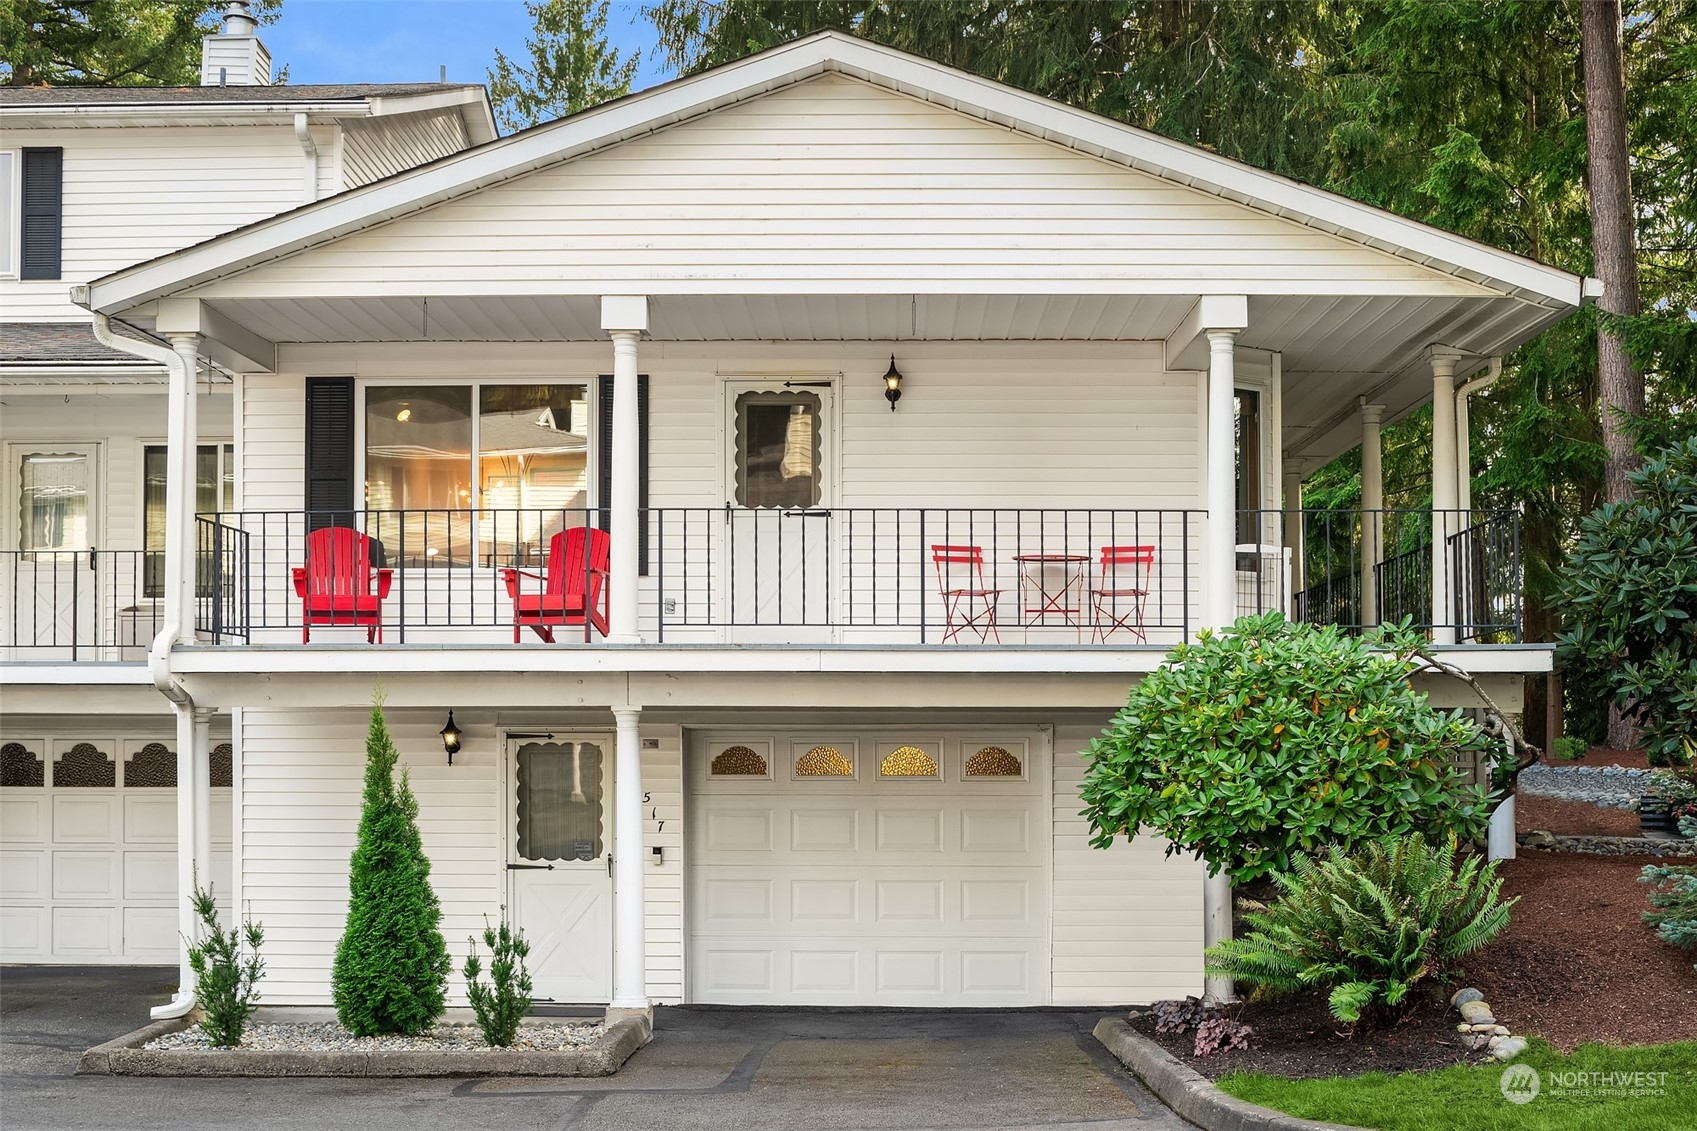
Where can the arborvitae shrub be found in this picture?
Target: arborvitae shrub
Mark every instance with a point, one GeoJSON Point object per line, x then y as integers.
{"type": "Point", "coordinates": [391, 971]}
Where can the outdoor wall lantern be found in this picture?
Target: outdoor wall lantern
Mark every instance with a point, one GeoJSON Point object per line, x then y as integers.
{"type": "Point", "coordinates": [893, 384]}
{"type": "Point", "coordinates": [451, 738]}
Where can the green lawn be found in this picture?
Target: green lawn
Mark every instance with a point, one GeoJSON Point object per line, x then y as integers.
{"type": "Point", "coordinates": [1469, 1099]}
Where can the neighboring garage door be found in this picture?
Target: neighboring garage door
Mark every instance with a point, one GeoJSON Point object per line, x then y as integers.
{"type": "Point", "coordinates": [88, 861]}
{"type": "Point", "coordinates": [867, 868]}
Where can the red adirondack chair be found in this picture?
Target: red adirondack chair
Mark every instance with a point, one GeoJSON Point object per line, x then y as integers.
{"type": "Point", "coordinates": [574, 585]}
{"type": "Point", "coordinates": [335, 585]}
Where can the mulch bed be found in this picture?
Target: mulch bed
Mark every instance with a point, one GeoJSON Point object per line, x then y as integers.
{"type": "Point", "coordinates": [1603, 756]}
{"type": "Point", "coordinates": [1573, 818]}
{"type": "Point", "coordinates": [1575, 964]}
{"type": "Point", "coordinates": [1298, 1037]}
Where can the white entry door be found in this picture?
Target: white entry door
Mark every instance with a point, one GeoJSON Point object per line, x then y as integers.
{"type": "Point", "coordinates": [777, 536]}
{"type": "Point", "coordinates": [560, 885]}
{"type": "Point", "coordinates": [53, 604]}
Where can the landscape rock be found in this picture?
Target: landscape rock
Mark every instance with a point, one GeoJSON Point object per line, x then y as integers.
{"type": "Point", "coordinates": [1538, 838]}
{"type": "Point", "coordinates": [1477, 1013]}
{"type": "Point", "coordinates": [1463, 996]}
{"type": "Point", "coordinates": [1510, 1048]}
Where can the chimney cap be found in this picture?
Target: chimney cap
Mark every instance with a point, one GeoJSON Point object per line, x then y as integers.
{"type": "Point", "coordinates": [238, 18]}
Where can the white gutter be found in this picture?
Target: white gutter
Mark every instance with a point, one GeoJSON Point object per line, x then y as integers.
{"type": "Point", "coordinates": [303, 134]}
{"type": "Point", "coordinates": [159, 654]}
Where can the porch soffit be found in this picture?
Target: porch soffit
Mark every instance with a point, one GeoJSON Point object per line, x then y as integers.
{"type": "Point", "coordinates": [1468, 267]}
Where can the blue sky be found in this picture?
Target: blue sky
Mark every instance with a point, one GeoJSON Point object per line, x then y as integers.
{"type": "Point", "coordinates": [410, 40]}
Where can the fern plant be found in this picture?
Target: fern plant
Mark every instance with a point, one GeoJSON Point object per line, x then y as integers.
{"type": "Point", "coordinates": [1368, 925]}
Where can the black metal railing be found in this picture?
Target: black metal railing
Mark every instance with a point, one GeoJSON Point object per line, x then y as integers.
{"type": "Point", "coordinates": [77, 605]}
{"type": "Point", "coordinates": [873, 573]}
{"type": "Point", "coordinates": [1482, 571]}
{"type": "Point", "coordinates": [714, 574]}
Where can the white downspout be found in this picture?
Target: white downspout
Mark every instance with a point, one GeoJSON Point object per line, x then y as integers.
{"type": "Point", "coordinates": [1464, 432]}
{"type": "Point", "coordinates": [303, 134]}
{"type": "Point", "coordinates": [159, 662]}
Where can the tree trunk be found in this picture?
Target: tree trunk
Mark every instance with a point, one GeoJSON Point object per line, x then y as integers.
{"type": "Point", "coordinates": [1621, 386]}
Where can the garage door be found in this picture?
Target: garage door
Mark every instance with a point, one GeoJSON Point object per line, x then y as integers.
{"type": "Point", "coordinates": [867, 869]}
{"type": "Point", "coordinates": [88, 861]}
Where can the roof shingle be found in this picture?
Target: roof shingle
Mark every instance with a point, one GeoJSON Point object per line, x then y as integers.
{"type": "Point", "coordinates": [177, 95]}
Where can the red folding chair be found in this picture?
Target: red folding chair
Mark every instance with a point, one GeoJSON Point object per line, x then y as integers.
{"type": "Point", "coordinates": [968, 603]}
{"type": "Point", "coordinates": [1123, 584]}
{"type": "Point", "coordinates": [335, 585]}
{"type": "Point", "coordinates": [574, 585]}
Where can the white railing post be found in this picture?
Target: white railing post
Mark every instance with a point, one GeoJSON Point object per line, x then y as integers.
{"type": "Point", "coordinates": [181, 451]}
{"type": "Point", "coordinates": [1220, 577]}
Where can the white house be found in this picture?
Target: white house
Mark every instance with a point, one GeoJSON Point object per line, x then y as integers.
{"type": "Point", "coordinates": [819, 741]}
{"type": "Point", "coordinates": [93, 180]}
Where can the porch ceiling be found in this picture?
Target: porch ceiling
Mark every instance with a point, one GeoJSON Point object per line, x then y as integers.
{"type": "Point", "coordinates": [1335, 349]}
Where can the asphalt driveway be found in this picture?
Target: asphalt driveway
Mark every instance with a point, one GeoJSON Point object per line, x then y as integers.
{"type": "Point", "coordinates": [718, 1069]}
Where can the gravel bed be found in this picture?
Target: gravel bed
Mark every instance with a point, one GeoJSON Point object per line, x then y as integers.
{"type": "Point", "coordinates": [331, 1037]}
{"type": "Point", "coordinates": [1613, 787]}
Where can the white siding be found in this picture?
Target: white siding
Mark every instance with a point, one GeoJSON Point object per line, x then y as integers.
{"type": "Point", "coordinates": [138, 192]}
{"type": "Point", "coordinates": [373, 148]}
{"type": "Point", "coordinates": [1127, 920]}
{"type": "Point", "coordinates": [835, 186]}
{"type": "Point", "coordinates": [302, 775]}
{"type": "Point", "coordinates": [663, 882]}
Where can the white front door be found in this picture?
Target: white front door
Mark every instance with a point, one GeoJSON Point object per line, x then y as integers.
{"type": "Point", "coordinates": [52, 603]}
{"type": "Point", "coordinates": [777, 535]}
{"type": "Point", "coordinates": [560, 884]}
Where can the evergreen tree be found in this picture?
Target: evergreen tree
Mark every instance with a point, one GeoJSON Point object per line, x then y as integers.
{"type": "Point", "coordinates": [572, 66]}
{"type": "Point", "coordinates": [108, 42]}
{"type": "Point", "coordinates": [391, 971]}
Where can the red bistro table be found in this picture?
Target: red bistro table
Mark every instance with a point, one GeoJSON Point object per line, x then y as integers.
{"type": "Point", "coordinates": [1052, 586]}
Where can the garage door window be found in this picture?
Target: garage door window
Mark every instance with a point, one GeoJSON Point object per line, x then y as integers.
{"type": "Point", "coordinates": [739, 761]}
{"type": "Point", "coordinates": [85, 765]}
{"type": "Point", "coordinates": [154, 766]}
{"type": "Point", "coordinates": [908, 762]}
{"type": "Point", "coordinates": [994, 762]}
{"type": "Point", "coordinates": [824, 762]}
{"type": "Point", "coordinates": [19, 766]}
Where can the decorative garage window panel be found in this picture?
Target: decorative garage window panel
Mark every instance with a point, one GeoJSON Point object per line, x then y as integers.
{"type": "Point", "coordinates": [994, 762]}
{"type": "Point", "coordinates": [909, 762]}
{"type": "Point", "coordinates": [153, 766]}
{"type": "Point", "coordinates": [85, 765]}
{"type": "Point", "coordinates": [223, 756]}
{"type": "Point", "coordinates": [20, 767]}
{"type": "Point", "coordinates": [824, 762]}
{"type": "Point", "coordinates": [739, 761]}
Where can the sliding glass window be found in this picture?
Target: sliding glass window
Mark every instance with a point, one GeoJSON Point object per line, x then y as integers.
{"type": "Point", "coordinates": [484, 473]}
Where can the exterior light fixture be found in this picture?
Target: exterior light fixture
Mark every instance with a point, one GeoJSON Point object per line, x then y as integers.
{"type": "Point", "coordinates": [893, 384]}
{"type": "Point", "coordinates": [451, 738]}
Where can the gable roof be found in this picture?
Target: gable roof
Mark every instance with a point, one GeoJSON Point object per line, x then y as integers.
{"type": "Point", "coordinates": [826, 52]}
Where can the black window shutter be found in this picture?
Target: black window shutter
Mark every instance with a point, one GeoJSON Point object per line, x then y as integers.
{"type": "Point", "coordinates": [329, 451]}
{"type": "Point", "coordinates": [604, 475]}
{"type": "Point", "coordinates": [42, 213]}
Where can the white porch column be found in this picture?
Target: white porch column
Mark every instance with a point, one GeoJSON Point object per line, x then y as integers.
{"type": "Point", "coordinates": [202, 796]}
{"type": "Point", "coordinates": [1293, 528]}
{"type": "Point", "coordinates": [1220, 575]}
{"type": "Point", "coordinates": [624, 317]}
{"type": "Point", "coordinates": [1372, 507]}
{"type": "Point", "coordinates": [182, 428]}
{"type": "Point", "coordinates": [1443, 488]}
{"type": "Point", "coordinates": [630, 980]}
{"type": "Point", "coordinates": [1220, 578]}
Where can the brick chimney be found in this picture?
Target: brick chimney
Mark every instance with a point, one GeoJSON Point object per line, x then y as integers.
{"type": "Point", "coordinates": [235, 56]}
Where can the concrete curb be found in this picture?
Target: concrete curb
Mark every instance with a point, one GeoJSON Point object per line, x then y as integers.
{"type": "Point", "coordinates": [126, 1057]}
{"type": "Point", "coordinates": [1188, 1092]}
